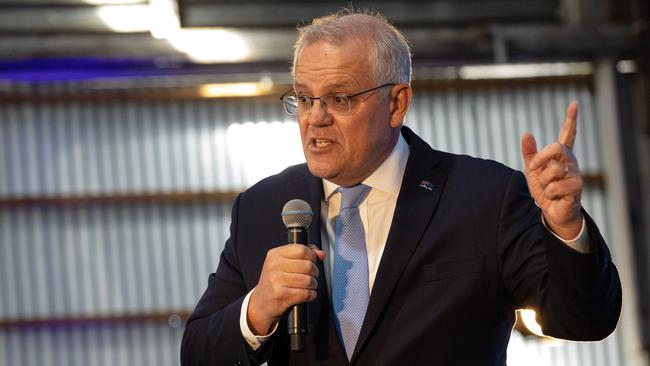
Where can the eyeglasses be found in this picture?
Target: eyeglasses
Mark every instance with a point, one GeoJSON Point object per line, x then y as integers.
{"type": "Point", "coordinates": [333, 103]}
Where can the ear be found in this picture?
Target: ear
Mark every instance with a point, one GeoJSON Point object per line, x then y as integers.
{"type": "Point", "coordinates": [400, 100]}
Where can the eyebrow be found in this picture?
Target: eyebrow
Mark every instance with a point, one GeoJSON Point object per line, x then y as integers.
{"type": "Point", "coordinates": [329, 86]}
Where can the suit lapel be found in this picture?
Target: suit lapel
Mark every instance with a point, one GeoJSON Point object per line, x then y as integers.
{"type": "Point", "coordinates": [418, 197]}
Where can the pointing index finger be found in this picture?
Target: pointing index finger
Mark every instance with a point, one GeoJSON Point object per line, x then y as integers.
{"type": "Point", "coordinates": [568, 131]}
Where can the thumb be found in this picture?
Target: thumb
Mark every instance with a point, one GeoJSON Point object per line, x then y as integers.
{"type": "Point", "coordinates": [528, 148]}
{"type": "Point", "coordinates": [319, 253]}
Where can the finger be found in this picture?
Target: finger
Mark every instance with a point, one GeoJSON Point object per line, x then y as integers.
{"type": "Point", "coordinates": [319, 253]}
{"type": "Point", "coordinates": [553, 171]}
{"type": "Point", "coordinates": [568, 131]}
{"type": "Point", "coordinates": [554, 151]}
{"type": "Point", "coordinates": [298, 251]}
{"type": "Point", "coordinates": [299, 266]}
{"type": "Point", "coordinates": [564, 188]}
{"type": "Point", "coordinates": [300, 281]}
{"type": "Point", "coordinates": [299, 296]}
{"type": "Point", "coordinates": [528, 148]}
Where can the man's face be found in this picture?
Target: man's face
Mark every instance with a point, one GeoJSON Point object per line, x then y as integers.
{"type": "Point", "coordinates": [343, 148]}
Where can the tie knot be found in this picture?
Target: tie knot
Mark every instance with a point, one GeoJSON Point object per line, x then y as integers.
{"type": "Point", "coordinates": [352, 197]}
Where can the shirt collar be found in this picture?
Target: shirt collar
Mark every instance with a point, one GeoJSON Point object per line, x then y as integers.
{"type": "Point", "coordinates": [387, 177]}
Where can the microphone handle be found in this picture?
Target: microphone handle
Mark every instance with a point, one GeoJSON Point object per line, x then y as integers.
{"type": "Point", "coordinates": [299, 315]}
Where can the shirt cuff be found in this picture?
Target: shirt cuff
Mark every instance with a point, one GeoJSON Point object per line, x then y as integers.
{"type": "Point", "coordinates": [580, 243]}
{"type": "Point", "coordinates": [254, 341]}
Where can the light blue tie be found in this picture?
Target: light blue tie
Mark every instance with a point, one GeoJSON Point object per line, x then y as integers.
{"type": "Point", "coordinates": [350, 292]}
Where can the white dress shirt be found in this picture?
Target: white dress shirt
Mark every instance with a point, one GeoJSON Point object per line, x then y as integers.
{"type": "Point", "coordinates": [376, 212]}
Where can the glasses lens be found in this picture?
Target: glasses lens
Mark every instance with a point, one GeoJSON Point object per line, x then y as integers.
{"type": "Point", "coordinates": [339, 104]}
{"type": "Point", "coordinates": [290, 104]}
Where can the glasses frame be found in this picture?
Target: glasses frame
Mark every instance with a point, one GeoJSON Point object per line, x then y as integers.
{"type": "Point", "coordinates": [322, 102]}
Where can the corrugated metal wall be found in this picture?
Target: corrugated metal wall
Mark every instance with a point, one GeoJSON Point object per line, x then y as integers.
{"type": "Point", "coordinates": [101, 260]}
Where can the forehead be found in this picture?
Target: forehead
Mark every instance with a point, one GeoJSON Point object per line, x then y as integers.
{"type": "Point", "coordinates": [334, 65]}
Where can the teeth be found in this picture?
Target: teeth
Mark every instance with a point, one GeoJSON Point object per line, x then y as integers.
{"type": "Point", "coordinates": [322, 142]}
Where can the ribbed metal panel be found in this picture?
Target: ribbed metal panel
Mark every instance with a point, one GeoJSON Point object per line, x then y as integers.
{"type": "Point", "coordinates": [66, 148]}
{"type": "Point", "coordinates": [96, 260]}
{"type": "Point", "coordinates": [105, 345]}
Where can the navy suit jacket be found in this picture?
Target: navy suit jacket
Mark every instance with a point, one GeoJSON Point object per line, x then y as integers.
{"type": "Point", "coordinates": [466, 248]}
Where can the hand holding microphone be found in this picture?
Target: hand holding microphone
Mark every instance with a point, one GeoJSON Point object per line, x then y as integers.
{"type": "Point", "coordinates": [288, 276]}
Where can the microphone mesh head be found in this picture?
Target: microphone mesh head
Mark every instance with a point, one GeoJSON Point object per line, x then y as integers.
{"type": "Point", "coordinates": [297, 213]}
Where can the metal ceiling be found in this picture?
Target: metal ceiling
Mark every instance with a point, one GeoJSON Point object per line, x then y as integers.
{"type": "Point", "coordinates": [441, 31]}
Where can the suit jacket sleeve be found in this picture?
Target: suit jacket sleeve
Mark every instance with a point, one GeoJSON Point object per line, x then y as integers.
{"type": "Point", "coordinates": [576, 296]}
{"type": "Point", "coordinates": [212, 333]}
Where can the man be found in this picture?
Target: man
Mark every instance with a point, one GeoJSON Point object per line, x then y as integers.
{"type": "Point", "coordinates": [438, 250]}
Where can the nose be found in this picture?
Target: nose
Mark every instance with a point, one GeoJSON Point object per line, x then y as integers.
{"type": "Point", "coordinates": [318, 115]}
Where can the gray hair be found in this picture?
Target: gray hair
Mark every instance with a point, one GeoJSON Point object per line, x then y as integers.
{"type": "Point", "coordinates": [392, 53]}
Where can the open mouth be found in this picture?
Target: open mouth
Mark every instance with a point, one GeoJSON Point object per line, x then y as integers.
{"type": "Point", "coordinates": [320, 143]}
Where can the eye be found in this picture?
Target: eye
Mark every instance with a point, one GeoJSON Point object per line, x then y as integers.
{"type": "Point", "coordinates": [303, 99]}
{"type": "Point", "coordinates": [340, 99]}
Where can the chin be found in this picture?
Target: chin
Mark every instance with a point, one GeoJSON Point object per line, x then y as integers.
{"type": "Point", "coordinates": [320, 171]}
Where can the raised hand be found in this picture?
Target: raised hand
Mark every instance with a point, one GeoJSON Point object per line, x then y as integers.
{"type": "Point", "coordinates": [554, 178]}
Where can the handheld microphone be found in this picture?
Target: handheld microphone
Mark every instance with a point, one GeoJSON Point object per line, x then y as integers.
{"type": "Point", "coordinates": [297, 215]}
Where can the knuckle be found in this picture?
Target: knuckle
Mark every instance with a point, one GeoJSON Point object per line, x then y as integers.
{"type": "Point", "coordinates": [297, 281]}
{"type": "Point", "coordinates": [306, 267]}
{"type": "Point", "coordinates": [543, 180]}
{"type": "Point", "coordinates": [289, 249]}
{"type": "Point", "coordinates": [298, 250]}
{"type": "Point", "coordinates": [549, 192]}
{"type": "Point", "coordinates": [276, 288]}
{"type": "Point", "coordinates": [307, 281]}
{"type": "Point", "coordinates": [273, 254]}
{"type": "Point", "coordinates": [277, 250]}
{"type": "Point", "coordinates": [294, 281]}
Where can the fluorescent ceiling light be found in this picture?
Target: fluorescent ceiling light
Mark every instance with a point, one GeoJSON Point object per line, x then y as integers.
{"type": "Point", "coordinates": [125, 18]}
{"type": "Point", "coordinates": [514, 71]}
{"type": "Point", "coordinates": [160, 18]}
{"type": "Point", "coordinates": [210, 45]}
{"type": "Point", "coordinates": [164, 18]}
{"type": "Point", "coordinates": [250, 89]}
{"type": "Point", "coordinates": [200, 45]}
{"type": "Point", "coordinates": [114, 2]}
{"type": "Point", "coordinates": [626, 66]}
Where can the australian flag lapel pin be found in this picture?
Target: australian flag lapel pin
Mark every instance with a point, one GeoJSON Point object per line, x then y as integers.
{"type": "Point", "coordinates": [426, 185]}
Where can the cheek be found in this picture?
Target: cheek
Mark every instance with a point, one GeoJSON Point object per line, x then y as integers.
{"type": "Point", "coordinates": [355, 149]}
{"type": "Point", "coordinates": [372, 144]}
{"type": "Point", "coordinates": [302, 127]}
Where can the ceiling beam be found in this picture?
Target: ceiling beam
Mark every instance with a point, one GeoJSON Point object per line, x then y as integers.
{"type": "Point", "coordinates": [431, 13]}
{"type": "Point", "coordinates": [79, 16]}
{"type": "Point", "coordinates": [70, 19]}
{"type": "Point", "coordinates": [15, 3]}
{"type": "Point", "coordinates": [275, 45]}
{"type": "Point", "coordinates": [585, 12]}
